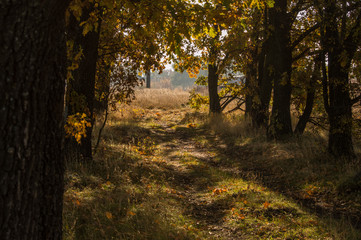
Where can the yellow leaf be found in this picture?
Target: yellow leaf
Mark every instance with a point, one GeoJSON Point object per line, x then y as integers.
{"type": "Point", "coordinates": [87, 28]}
{"type": "Point", "coordinates": [266, 204]}
{"type": "Point", "coordinates": [109, 215]}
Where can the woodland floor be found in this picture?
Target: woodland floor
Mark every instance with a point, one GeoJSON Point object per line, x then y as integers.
{"type": "Point", "coordinates": [173, 174]}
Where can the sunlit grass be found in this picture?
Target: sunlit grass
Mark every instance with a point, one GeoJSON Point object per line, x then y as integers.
{"type": "Point", "coordinates": [172, 173]}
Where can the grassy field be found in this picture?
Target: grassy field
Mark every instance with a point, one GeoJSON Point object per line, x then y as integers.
{"type": "Point", "coordinates": [164, 171]}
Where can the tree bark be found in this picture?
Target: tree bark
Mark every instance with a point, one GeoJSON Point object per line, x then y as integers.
{"type": "Point", "coordinates": [280, 67]}
{"type": "Point", "coordinates": [249, 100]}
{"type": "Point", "coordinates": [147, 74]}
{"type": "Point", "coordinates": [214, 104]}
{"type": "Point", "coordinates": [261, 111]}
{"type": "Point", "coordinates": [340, 49]}
{"type": "Point", "coordinates": [33, 59]}
{"type": "Point", "coordinates": [259, 108]}
{"type": "Point", "coordinates": [302, 122]}
{"type": "Point", "coordinates": [340, 115]}
{"type": "Point", "coordinates": [81, 89]}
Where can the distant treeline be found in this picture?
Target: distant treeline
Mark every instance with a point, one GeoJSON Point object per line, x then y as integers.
{"type": "Point", "coordinates": [173, 79]}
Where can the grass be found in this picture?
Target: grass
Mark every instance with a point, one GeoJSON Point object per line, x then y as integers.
{"type": "Point", "coordinates": [163, 171]}
{"type": "Point", "coordinates": [161, 98]}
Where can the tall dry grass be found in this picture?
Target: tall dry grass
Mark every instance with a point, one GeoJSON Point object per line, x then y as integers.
{"type": "Point", "coordinates": [161, 98]}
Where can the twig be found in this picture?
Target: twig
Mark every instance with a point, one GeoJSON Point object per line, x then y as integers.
{"type": "Point", "coordinates": [101, 129]}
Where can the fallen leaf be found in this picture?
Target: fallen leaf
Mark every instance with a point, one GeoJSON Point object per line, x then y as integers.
{"type": "Point", "coordinates": [266, 205]}
{"type": "Point", "coordinates": [131, 213]}
{"type": "Point", "coordinates": [109, 215]}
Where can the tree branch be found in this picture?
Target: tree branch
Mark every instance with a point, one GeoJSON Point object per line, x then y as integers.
{"type": "Point", "coordinates": [101, 129]}
{"type": "Point", "coordinates": [238, 107]}
{"type": "Point", "coordinates": [353, 39]}
{"type": "Point", "coordinates": [303, 53]}
{"type": "Point", "coordinates": [304, 34]}
{"type": "Point", "coordinates": [294, 11]}
{"type": "Point", "coordinates": [355, 100]}
{"type": "Point", "coordinates": [325, 84]}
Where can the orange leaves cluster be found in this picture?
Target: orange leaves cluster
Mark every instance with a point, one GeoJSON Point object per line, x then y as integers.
{"type": "Point", "coordinates": [238, 213]}
{"type": "Point", "coordinates": [76, 125]}
{"type": "Point", "coordinates": [191, 125]}
{"type": "Point", "coordinates": [173, 191]}
{"type": "Point", "coordinates": [218, 191]}
{"type": "Point", "coordinates": [266, 205]}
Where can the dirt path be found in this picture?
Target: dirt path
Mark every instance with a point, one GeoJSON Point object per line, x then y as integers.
{"type": "Point", "coordinates": [164, 174]}
{"type": "Point", "coordinates": [223, 200]}
{"type": "Point", "coordinates": [191, 180]}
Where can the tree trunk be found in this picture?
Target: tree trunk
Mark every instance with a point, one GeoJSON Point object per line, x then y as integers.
{"type": "Point", "coordinates": [250, 89]}
{"type": "Point", "coordinates": [147, 74]}
{"type": "Point", "coordinates": [340, 108]}
{"type": "Point", "coordinates": [261, 109]}
{"type": "Point", "coordinates": [263, 87]}
{"type": "Point", "coordinates": [81, 96]}
{"type": "Point", "coordinates": [340, 114]}
{"type": "Point", "coordinates": [214, 104]}
{"type": "Point", "coordinates": [33, 59]}
{"type": "Point", "coordinates": [302, 122]}
{"type": "Point", "coordinates": [280, 55]}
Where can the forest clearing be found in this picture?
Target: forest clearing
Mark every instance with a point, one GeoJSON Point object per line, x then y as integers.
{"type": "Point", "coordinates": [164, 171]}
{"type": "Point", "coordinates": [180, 119]}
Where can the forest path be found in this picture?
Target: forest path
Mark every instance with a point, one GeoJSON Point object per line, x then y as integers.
{"type": "Point", "coordinates": [168, 174]}
{"type": "Point", "coordinates": [223, 201]}
{"type": "Point", "coordinates": [192, 171]}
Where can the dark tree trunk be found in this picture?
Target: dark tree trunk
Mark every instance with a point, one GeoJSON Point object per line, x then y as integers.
{"type": "Point", "coordinates": [81, 89]}
{"type": "Point", "coordinates": [340, 111]}
{"type": "Point", "coordinates": [147, 74]}
{"type": "Point", "coordinates": [340, 114]}
{"type": "Point", "coordinates": [33, 59]}
{"type": "Point", "coordinates": [305, 117]}
{"type": "Point", "coordinates": [250, 82]}
{"type": "Point", "coordinates": [214, 104]}
{"type": "Point", "coordinates": [340, 53]}
{"type": "Point", "coordinates": [261, 111]}
{"type": "Point", "coordinates": [263, 86]}
{"type": "Point", "coordinates": [302, 122]}
{"type": "Point", "coordinates": [280, 65]}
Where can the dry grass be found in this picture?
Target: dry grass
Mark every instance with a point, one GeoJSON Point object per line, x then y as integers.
{"type": "Point", "coordinates": [166, 172]}
{"type": "Point", "coordinates": [161, 98]}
